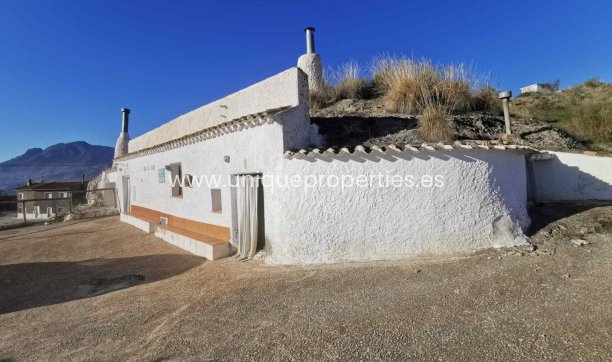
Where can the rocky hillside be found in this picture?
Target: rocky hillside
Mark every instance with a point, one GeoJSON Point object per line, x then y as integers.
{"type": "Point", "coordinates": [60, 162]}
{"type": "Point", "coordinates": [584, 110]}
{"type": "Point", "coordinates": [366, 121]}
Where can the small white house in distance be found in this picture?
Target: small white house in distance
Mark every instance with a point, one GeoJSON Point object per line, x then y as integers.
{"type": "Point", "coordinates": [248, 173]}
{"type": "Point", "coordinates": [538, 88]}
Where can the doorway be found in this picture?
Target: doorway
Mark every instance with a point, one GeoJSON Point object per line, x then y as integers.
{"type": "Point", "coordinates": [248, 226]}
{"type": "Point", "coordinates": [126, 204]}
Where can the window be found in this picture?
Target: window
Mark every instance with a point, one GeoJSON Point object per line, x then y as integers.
{"type": "Point", "coordinates": [215, 195]}
{"type": "Point", "coordinates": [20, 196]}
{"type": "Point", "coordinates": [176, 176]}
{"type": "Point", "coordinates": [188, 182]}
{"type": "Point", "coordinates": [161, 173]}
{"type": "Point", "coordinates": [20, 210]}
{"type": "Point", "coordinates": [64, 194]}
{"type": "Point", "coordinates": [48, 195]}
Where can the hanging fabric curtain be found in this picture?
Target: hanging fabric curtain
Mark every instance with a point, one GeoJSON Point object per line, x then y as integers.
{"type": "Point", "coordinates": [246, 205]}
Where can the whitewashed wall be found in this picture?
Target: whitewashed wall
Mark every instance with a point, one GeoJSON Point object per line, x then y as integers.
{"type": "Point", "coordinates": [253, 150]}
{"type": "Point", "coordinates": [574, 176]}
{"type": "Point", "coordinates": [483, 204]}
{"type": "Point", "coordinates": [281, 90]}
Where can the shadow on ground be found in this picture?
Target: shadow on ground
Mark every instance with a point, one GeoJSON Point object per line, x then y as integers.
{"type": "Point", "coordinates": [30, 285]}
{"type": "Point", "coordinates": [545, 214]}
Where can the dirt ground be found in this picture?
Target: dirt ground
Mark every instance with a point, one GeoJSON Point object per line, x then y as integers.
{"type": "Point", "coordinates": [103, 290]}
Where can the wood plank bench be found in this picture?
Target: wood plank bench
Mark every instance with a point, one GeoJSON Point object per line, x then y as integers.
{"type": "Point", "coordinates": [196, 243]}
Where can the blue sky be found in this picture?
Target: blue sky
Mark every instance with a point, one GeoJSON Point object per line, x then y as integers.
{"type": "Point", "coordinates": [67, 67]}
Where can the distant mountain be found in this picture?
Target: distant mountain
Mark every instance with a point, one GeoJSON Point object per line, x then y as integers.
{"type": "Point", "coordinates": [60, 162]}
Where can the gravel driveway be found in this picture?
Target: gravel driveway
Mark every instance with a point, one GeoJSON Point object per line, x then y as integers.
{"type": "Point", "coordinates": [103, 290]}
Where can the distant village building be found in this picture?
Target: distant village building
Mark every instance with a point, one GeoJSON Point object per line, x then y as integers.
{"type": "Point", "coordinates": [538, 88]}
{"type": "Point", "coordinates": [49, 199]}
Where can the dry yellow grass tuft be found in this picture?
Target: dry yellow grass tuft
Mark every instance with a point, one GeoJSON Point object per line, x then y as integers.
{"type": "Point", "coordinates": [592, 119]}
{"type": "Point", "coordinates": [317, 100]}
{"type": "Point", "coordinates": [410, 86]}
{"type": "Point", "coordinates": [436, 124]}
{"type": "Point", "coordinates": [346, 82]}
{"type": "Point", "coordinates": [486, 100]}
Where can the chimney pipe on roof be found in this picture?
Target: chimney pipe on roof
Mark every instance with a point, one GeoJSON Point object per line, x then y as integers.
{"type": "Point", "coordinates": [83, 179]}
{"type": "Point", "coordinates": [310, 45]}
{"type": "Point", "coordinates": [126, 119]}
{"type": "Point", "coordinates": [121, 147]}
{"type": "Point", "coordinates": [310, 63]}
{"type": "Point", "coordinates": [29, 182]}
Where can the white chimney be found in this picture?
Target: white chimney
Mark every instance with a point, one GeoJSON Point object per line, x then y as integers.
{"type": "Point", "coordinates": [121, 147]}
{"type": "Point", "coordinates": [310, 63]}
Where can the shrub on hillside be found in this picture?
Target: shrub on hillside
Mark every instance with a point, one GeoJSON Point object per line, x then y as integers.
{"type": "Point", "coordinates": [486, 100]}
{"type": "Point", "coordinates": [593, 119]}
{"type": "Point", "coordinates": [436, 124]}
{"type": "Point", "coordinates": [347, 82]}
{"type": "Point", "coordinates": [318, 100]}
{"type": "Point", "coordinates": [410, 86]}
{"type": "Point", "coordinates": [593, 83]}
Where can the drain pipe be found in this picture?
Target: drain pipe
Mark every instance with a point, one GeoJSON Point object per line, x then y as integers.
{"type": "Point", "coordinates": [505, 97]}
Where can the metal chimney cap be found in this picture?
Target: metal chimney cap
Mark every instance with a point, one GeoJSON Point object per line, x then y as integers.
{"type": "Point", "coordinates": [505, 94]}
{"type": "Point", "coordinates": [309, 28]}
{"type": "Point", "coordinates": [125, 110]}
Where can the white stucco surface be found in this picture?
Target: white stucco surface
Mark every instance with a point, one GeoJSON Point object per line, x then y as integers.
{"type": "Point", "coordinates": [311, 65]}
{"type": "Point", "coordinates": [574, 176]}
{"type": "Point", "coordinates": [254, 150]}
{"type": "Point", "coordinates": [148, 227]}
{"type": "Point", "coordinates": [281, 90]}
{"type": "Point", "coordinates": [482, 204]}
{"type": "Point", "coordinates": [535, 88]}
{"type": "Point", "coordinates": [122, 144]}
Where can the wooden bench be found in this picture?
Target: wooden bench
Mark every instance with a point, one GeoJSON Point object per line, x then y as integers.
{"type": "Point", "coordinates": [196, 243]}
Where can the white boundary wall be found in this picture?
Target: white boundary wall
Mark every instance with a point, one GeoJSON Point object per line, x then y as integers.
{"type": "Point", "coordinates": [574, 176]}
{"type": "Point", "coordinates": [483, 204]}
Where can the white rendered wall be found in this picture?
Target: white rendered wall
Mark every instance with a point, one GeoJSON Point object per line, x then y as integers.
{"type": "Point", "coordinates": [281, 90]}
{"type": "Point", "coordinates": [483, 204]}
{"type": "Point", "coordinates": [254, 150]}
{"type": "Point", "coordinates": [574, 176]}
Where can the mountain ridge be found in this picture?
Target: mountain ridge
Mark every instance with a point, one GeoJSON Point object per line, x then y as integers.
{"type": "Point", "coordinates": [59, 162]}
